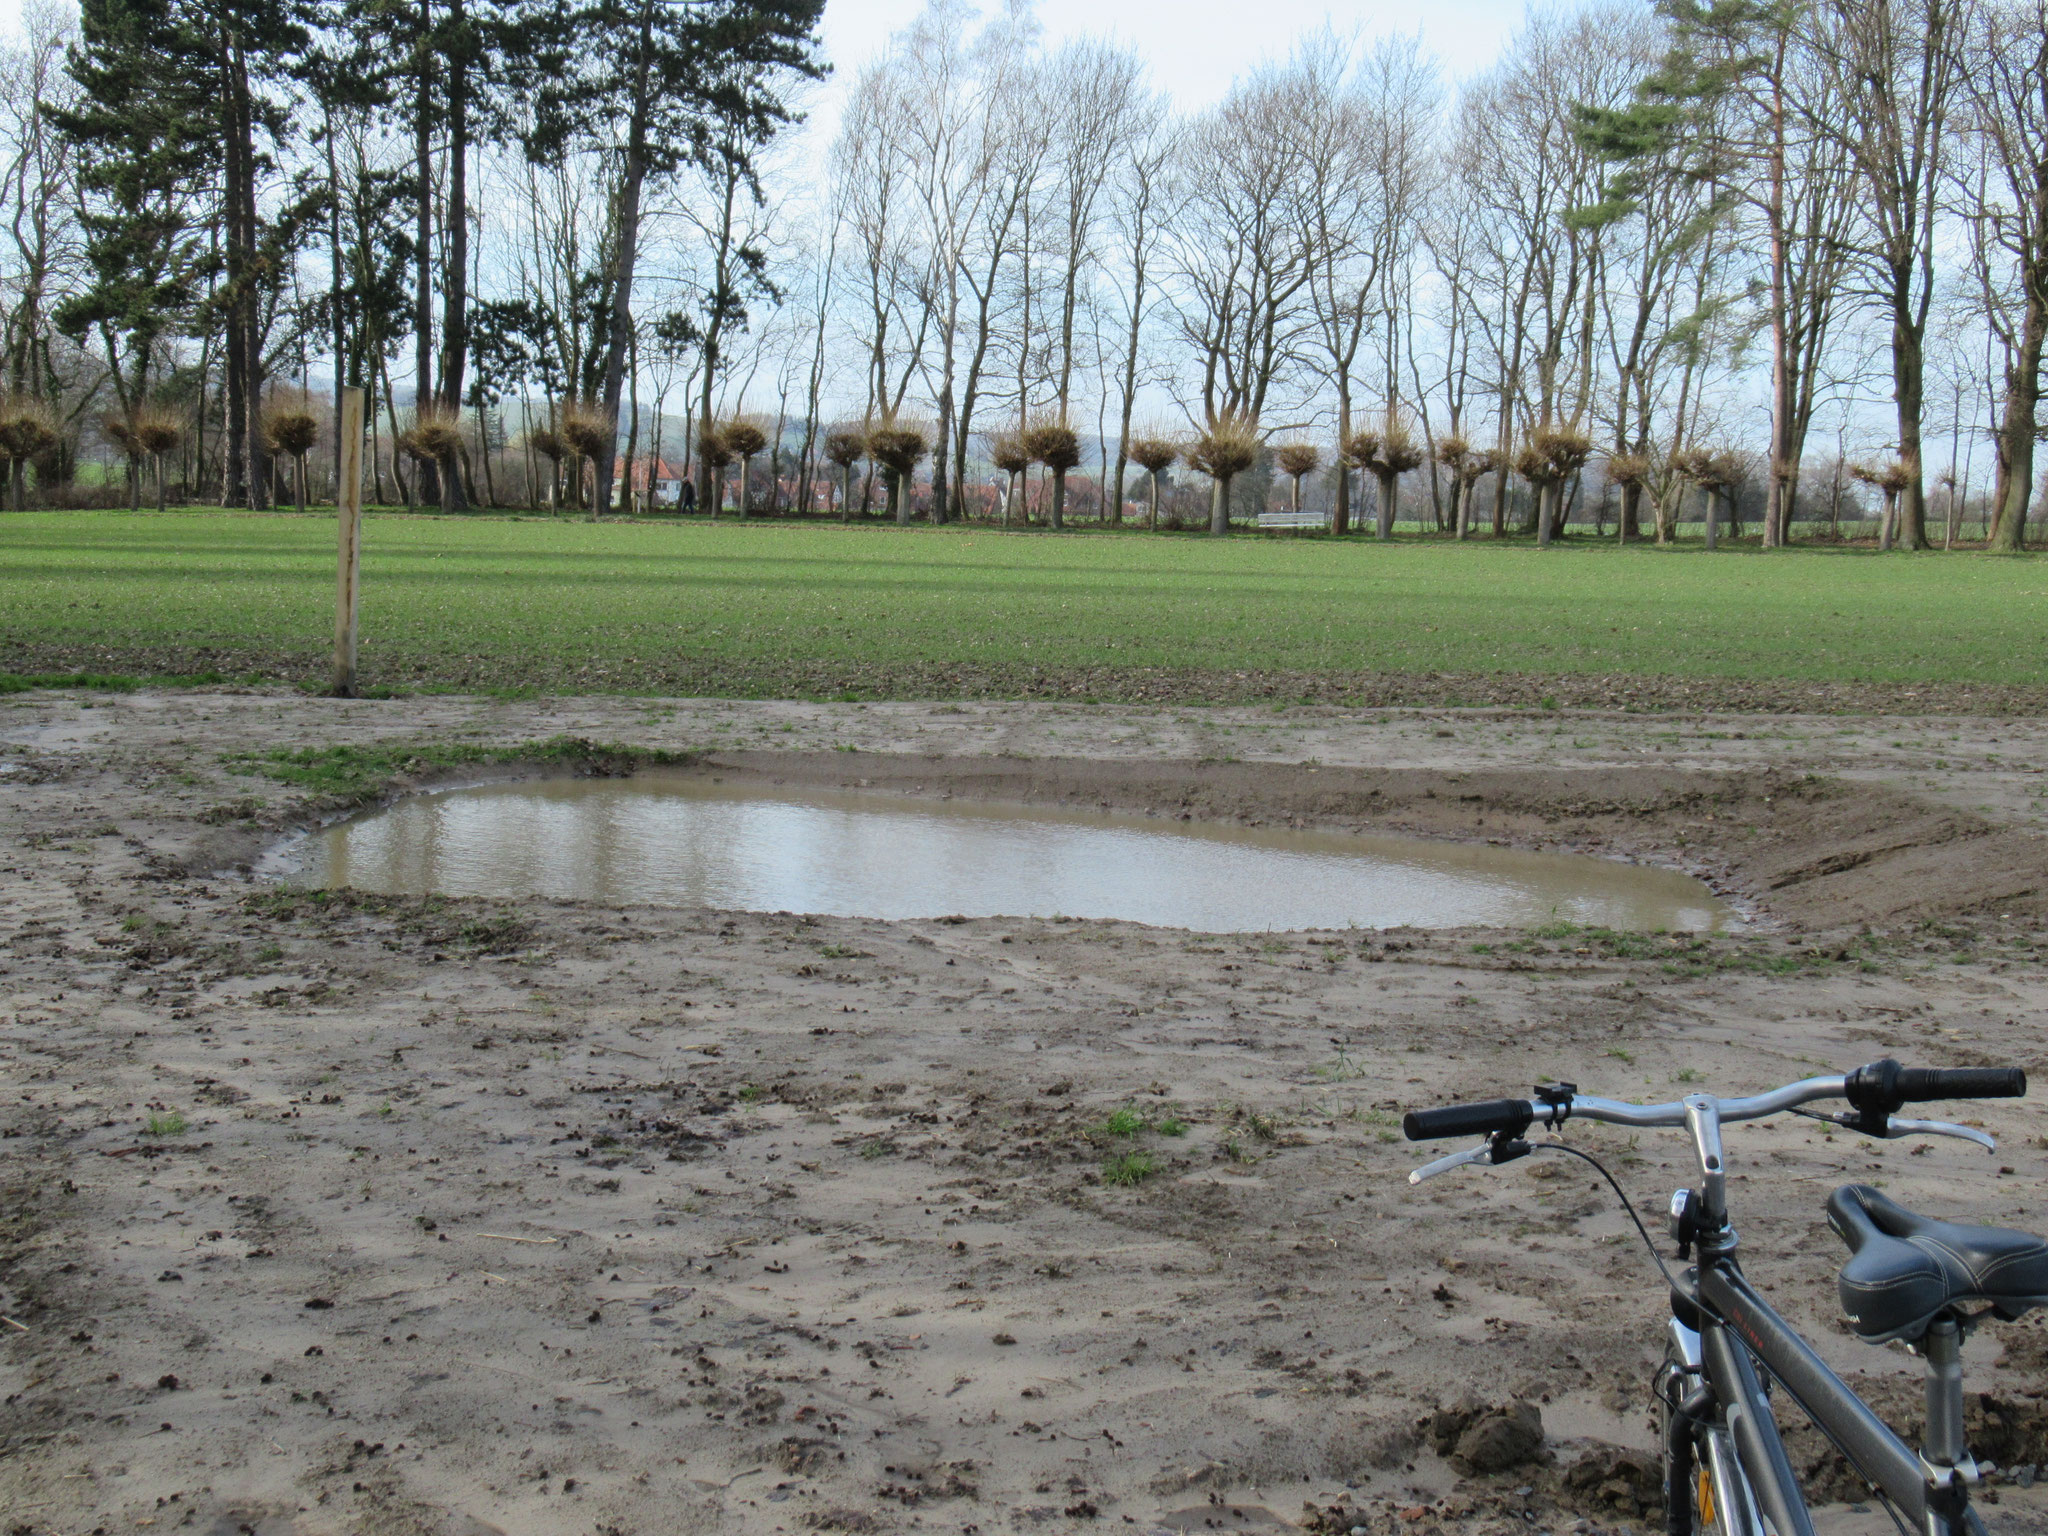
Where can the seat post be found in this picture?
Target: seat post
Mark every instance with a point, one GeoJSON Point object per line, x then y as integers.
{"type": "Point", "coordinates": [1943, 1346]}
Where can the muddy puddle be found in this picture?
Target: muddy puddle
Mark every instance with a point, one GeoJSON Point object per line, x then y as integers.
{"type": "Point", "coordinates": [693, 841]}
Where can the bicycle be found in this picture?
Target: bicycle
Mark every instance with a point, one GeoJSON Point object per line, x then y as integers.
{"type": "Point", "coordinates": [1908, 1277]}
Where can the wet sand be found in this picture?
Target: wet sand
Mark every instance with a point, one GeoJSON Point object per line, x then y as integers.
{"type": "Point", "coordinates": [547, 1216]}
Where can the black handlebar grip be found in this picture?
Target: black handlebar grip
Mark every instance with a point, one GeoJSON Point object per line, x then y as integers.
{"type": "Point", "coordinates": [1918, 1085]}
{"type": "Point", "coordinates": [1510, 1115]}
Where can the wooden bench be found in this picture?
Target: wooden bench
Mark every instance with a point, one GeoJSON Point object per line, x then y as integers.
{"type": "Point", "coordinates": [1294, 520]}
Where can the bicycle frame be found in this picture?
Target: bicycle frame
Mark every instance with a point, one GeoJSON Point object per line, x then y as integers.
{"type": "Point", "coordinates": [1720, 1325]}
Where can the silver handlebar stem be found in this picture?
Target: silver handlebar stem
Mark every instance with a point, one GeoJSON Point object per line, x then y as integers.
{"type": "Point", "coordinates": [1703, 1120]}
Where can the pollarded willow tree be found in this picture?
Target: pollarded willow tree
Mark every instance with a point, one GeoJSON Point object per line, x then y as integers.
{"type": "Point", "coordinates": [1229, 448]}
{"type": "Point", "coordinates": [899, 446]}
{"type": "Point", "coordinates": [589, 433]}
{"type": "Point", "coordinates": [844, 448]}
{"type": "Point", "coordinates": [1008, 453]}
{"type": "Point", "coordinates": [1454, 453]}
{"type": "Point", "coordinates": [1155, 453]}
{"type": "Point", "coordinates": [1564, 451]}
{"type": "Point", "coordinates": [28, 430]}
{"type": "Point", "coordinates": [1296, 460]}
{"type": "Point", "coordinates": [1629, 471]}
{"type": "Point", "coordinates": [743, 437]}
{"type": "Point", "coordinates": [1397, 453]}
{"type": "Point", "coordinates": [291, 431]}
{"type": "Point", "coordinates": [716, 455]}
{"type": "Point", "coordinates": [1050, 441]}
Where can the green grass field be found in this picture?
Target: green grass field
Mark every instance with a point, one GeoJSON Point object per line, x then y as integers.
{"type": "Point", "coordinates": [658, 607]}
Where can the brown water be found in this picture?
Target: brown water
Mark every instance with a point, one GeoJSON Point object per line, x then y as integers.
{"type": "Point", "coordinates": [676, 841]}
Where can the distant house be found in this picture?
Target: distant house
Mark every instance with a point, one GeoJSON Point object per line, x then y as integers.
{"type": "Point", "coordinates": [664, 479]}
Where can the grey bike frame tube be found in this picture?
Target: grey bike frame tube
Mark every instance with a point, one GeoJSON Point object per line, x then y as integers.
{"type": "Point", "coordinates": [1877, 1453]}
{"type": "Point", "coordinates": [1754, 1431]}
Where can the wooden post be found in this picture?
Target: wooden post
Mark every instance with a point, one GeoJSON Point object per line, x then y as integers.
{"type": "Point", "coordinates": [348, 500]}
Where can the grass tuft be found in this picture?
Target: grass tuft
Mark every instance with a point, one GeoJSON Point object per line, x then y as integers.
{"type": "Point", "coordinates": [1128, 1168]}
{"type": "Point", "coordinates": [1123, 1122]}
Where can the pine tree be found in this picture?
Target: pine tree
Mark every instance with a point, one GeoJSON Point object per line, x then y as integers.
{"type": "Point", "coordinates": [185, 98]}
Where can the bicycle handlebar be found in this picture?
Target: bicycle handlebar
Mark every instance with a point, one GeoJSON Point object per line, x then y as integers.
{"type": "Point", "coordinates": [1878, 1088]}
{"type": "Point", "coordinates": [1510, 1115]}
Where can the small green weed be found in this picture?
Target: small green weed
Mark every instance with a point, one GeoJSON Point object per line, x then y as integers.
{"type": "Point", "coordinates": [1129, 1168]}
{"type": "Point", "coordinates": [168, 1124]}
{"type": "Point", "coordinates": [1171, 1126]}
{"type": "Point", "coordinates": [1123, 1122]}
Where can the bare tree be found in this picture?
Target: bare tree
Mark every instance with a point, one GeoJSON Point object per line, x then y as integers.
{"type": "Point", "coordinates": [1890, 72]}
{"type": "Point", "coordinates": [1242, 259]}
{"type": "Point", "coordinates": [2007, 83]}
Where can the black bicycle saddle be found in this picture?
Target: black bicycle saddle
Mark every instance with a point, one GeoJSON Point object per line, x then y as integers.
{"type": "Point", "coordinates": [1905, 1269]}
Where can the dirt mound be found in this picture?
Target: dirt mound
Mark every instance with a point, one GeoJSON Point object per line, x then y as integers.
{"type": "Point", "coordinates": [1813, 852]}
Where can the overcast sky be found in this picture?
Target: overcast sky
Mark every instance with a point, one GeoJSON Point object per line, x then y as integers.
{"type": "Point", "coordinates": [1195, 46]}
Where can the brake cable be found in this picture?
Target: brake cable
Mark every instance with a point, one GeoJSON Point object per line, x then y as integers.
{"type": "Point", "coordinates": [1619, 1193]}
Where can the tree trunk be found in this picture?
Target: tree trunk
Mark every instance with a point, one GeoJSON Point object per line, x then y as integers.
{"type": "Point", "coordinates": [1389, 485]}
{"type": "Point", "coordinates": [2018, 430]}
{"type": "Point", "coordinates": [1709, 508]}
{"type": "Point", "coordinates": [634, 173]}
{"type": "Point", "coordinates": [234, 358]}
{"type": "Point", "coordinates": [1219, 505]}
{"type": "Point", "coordinates": [846, 494]}
{"type": "Point", "coordinates": [160, 482]}
{"type": "Point", "coordinates": [1152, 515]}
{"type": "Point", "coordinates": [423, 472]}
{"type": "Point", "coordinates": [1909, 380]}
{"type": "Point", "coordinates": [455, 297]}
{"type": "Point", "coordinates": [1059, 499]}
{"type": "Point", "coordinates": [1546, 502]}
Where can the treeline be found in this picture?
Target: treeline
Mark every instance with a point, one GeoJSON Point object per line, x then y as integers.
{"type": "Point", "coordinates": [1654, 252]}
{"type": "Point", "coordinates": [216, 202]}
{"type": "Point", "coordinates": [1742, 261]}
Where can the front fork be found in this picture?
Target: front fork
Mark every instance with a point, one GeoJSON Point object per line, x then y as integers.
{"type": "Point", "coordinates": [1692, 1430]}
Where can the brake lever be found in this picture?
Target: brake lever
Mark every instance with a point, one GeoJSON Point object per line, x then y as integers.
{"type": "Point", "coordinates": [1893, 1128]}
{"type": "Point", "coordinates": [1897, 1128]}
{"type": "Point", "coordinates": [1495, 1150]}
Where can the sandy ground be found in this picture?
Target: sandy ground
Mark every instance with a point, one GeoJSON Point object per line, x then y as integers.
{"type": "Point", "coordinates": [558, 1218]}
